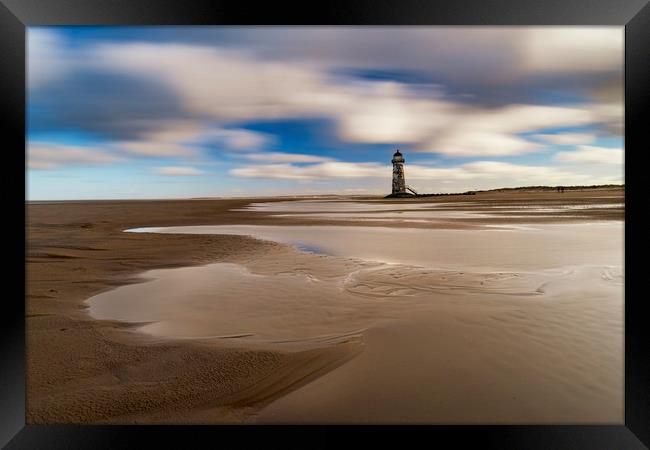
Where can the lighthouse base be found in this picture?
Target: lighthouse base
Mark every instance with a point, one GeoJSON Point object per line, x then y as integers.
{"type": "Point", "coordinates": [400, 195]}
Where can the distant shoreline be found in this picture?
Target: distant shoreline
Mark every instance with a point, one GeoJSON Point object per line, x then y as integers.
{"type": "Point", "coordinates": [521, 188]}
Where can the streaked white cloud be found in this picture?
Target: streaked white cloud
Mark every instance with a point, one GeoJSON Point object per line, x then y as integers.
{"type": "Point", "coordinates": [484, 143]}
{"type": "Point", "coordinates": [180, 130]}
{"type": "Point", "coordinates": [235, 138]}
{"type": "Point", "coordinates": [44, 156]}
{"type": "Point", "coordinates": [230, 86]}
{"type": "Point", "coordinates": [46, 57]}
{"type": "Point", "coordinates": [167, 139]}
{"type": "Point", "coordinates": [486, 54]}
{"type": "Point", "coordinates": [611, 115]}
{"type": "Point", "coordinates": [587, 154]}
{"type": "Point", "coordinates": [216, 82]}
{"type": "Point", "coordinates": [496, 132]}
{"type": "Point", "coordinates": [154, 149]}
{"type": "Point", "coordinates": [279, 157]}
{"type": "Point", "coordinates": [179, 171]}
{"type": "Point", "coordinates": [572, 49]}
{"type": "Point", "coordinates": [185, 138]}
{"type": "Point", "coordinates": [566, 138]}
{"type": "Point", "coordinates": [330, 169]}
{"type": "Point", "coordinates": [497, 173]}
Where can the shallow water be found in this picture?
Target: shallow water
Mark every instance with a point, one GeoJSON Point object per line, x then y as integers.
{"type": "Point", "coordinates": [333, 206]}
{"type": "Point", "coordinates": [418, 212]}
{"type": "Point", "coordinates": [325, 206]}
{"type": "Point", "coordinates": [529, 247]}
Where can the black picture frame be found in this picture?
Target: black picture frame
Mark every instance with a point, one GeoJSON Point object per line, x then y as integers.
{"type": "Point", "coordinates": [16, 15]}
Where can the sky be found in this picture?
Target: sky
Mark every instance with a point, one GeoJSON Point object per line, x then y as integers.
{"type": "Point", "coordinates": [213, 111]}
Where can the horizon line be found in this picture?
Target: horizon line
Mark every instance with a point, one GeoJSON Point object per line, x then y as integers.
{"type": "Point", "coordinates": [216, 197]}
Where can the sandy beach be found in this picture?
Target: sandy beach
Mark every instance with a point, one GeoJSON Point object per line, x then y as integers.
{"type": "Point", "coordinates": [169, 327]}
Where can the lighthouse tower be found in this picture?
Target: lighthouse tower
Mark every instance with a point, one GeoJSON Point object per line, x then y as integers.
{"type": "Point", "coordinates": [399, 183]}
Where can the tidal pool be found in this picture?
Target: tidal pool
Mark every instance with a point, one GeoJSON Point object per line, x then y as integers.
{"type": "Point", "coordinates": [529, 247]}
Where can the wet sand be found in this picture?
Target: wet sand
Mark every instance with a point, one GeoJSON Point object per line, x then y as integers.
{"type": "Point", "coordinates": [81, 370]}
{"type": "Point", "coordinates": [85, 370]}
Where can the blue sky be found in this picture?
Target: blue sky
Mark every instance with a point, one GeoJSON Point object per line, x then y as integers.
{"type": "Point", "coordinates": [176, 112]}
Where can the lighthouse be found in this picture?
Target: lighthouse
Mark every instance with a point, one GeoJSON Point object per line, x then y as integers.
{"type": "Point", "coordinates": [399, 183]}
